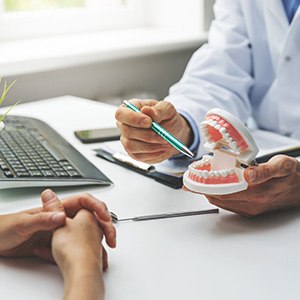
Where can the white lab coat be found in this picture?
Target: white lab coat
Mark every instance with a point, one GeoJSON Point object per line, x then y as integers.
{"type": "Point", "coordinates": [250, 66]}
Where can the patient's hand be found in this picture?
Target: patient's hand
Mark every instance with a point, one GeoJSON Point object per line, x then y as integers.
{"type": "Point", "coordinates": [29, 233]}
{"type": "Point", "coordinates": [21, 232]}
{"type": "Point", "coordinates": [272, 186]}
{"type": "Point", "coordinates": [77, 250]}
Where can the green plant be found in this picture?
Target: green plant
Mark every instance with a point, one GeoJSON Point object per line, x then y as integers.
{"type": "Point", "coordinates": [4, 93]}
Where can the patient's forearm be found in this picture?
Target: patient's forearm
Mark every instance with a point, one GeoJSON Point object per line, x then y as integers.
{"type": "Point", "coordinates": [83, 281]}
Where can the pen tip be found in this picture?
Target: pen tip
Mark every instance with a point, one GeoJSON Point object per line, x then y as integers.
{"type": "Point", "coordinates": [187, 152]}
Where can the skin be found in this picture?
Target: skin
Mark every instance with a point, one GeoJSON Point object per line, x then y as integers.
{"type": "Point", "coordinates": [272, 186]}
{"type": "Point", "coordinates": [29, 233]}
{"type": "Point", "coordinates": [76, 250]}
{"type": "Point", "coordinates": [140, 141]}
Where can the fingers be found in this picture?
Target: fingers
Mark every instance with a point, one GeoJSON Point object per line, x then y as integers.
{"type": "Point", "coordinates": [140, 134]}
{"type": "Point", "coordinates": [44, 221]}
{"type": "Point", "coordinates": [162, 111]}
{"type": "Point", "coordinates": [75, 203]}
{"type": "Point", "coordinates": [51, 202]}
{"type": "Point", "coordinates": [104, 259]}
{"type": "Point", "coordinates": [278, 166]}
{"type": "Point", "coordinates": [136, 147]}
{"type": "Point", "coordinates": [135, 119]}
{"type": "Point", "coordinates": [110, 233]}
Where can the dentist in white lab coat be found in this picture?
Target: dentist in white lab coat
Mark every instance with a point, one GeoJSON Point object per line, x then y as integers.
{"type": "Point", "coordinates": [249, 67]}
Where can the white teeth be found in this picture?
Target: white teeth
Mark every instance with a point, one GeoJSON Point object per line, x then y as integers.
{"type": "Point", "coordinates": [212, 173]}
{"type": "Point", "coordinates": [224, 173]}
{"type": "Point", "coordinates": [218, 126]}
{"type": "Point", "coordinates": [213, 123]}
{"type": "Point", "coordinates": [206, 157]}
{"type": "Point", "coordinates": [223, 131]}
{"type": "Point", "coordinates": [205, 174]}
{"type": "Point", "coordinates": [233, 144]}
{"type": "Point", "coordinates": [231, 171]}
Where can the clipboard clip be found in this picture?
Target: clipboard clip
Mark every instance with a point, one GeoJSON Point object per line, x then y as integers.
{"type": "Point", "coordinates": [126, 159]}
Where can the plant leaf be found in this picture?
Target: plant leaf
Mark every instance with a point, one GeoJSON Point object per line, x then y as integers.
{"type": "Point", "coordinates": [12, 107]}
{"type": "Point", "coordinates": [6, 90]}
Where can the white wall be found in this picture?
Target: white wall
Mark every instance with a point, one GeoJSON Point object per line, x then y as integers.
{"type": "Point", "coordinates": [153, 74]}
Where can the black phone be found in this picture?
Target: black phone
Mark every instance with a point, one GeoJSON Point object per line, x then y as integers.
{"type": "Point", "coordinates": [98, 135]}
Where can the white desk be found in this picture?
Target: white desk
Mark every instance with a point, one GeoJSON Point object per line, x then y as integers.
{"type": "Point", "coordinates": [203, 257]}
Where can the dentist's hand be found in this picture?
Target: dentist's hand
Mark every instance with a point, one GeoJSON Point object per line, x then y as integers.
{"type": "Point", "coordinates": [272, 186]}
{"type": "Point", "coordinates": [140, 141]}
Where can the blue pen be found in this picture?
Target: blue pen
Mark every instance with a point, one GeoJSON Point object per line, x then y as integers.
{"type": "Point", "coordinates": [167, 136]}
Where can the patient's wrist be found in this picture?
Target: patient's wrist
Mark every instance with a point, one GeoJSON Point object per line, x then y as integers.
{"type": "Point", "coordinates": [83, 280]}
{"type": "Point", "coordinates": [81, 265]}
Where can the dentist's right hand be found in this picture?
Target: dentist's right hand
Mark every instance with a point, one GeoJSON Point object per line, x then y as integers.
{"type": "Point", "coordinates": [142, 143]}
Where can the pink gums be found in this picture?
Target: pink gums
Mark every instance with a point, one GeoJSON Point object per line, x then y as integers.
{"type": "Point", "coordinates": [216, 135]}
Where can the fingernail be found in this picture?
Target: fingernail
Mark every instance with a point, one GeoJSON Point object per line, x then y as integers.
{"type": "Point", "coordinates": [58, 218]}
{"type": "Point", "coordinates": [252, 176]}
{"type": "Point", "coordinates": [48, 195]}
{"type": "Point", "coordinates": [145, 122]}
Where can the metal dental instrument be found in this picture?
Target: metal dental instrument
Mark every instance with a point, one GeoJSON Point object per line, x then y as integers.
{"type": "Point", "coordinates": [115, 218]}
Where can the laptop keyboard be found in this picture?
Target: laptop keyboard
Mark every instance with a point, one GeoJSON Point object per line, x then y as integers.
{"type": "Point", "coordinates": [25, 153]}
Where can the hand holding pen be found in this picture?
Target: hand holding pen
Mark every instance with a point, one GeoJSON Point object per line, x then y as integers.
{"type": "Point", "coordinates": [143, 143]}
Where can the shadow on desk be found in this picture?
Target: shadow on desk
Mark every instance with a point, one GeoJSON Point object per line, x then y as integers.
{"type": "Point", "coordinates": [233, 224]}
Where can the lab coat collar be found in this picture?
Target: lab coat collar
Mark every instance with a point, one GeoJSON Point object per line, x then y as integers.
{"type": "Point", "coordinates": [278, 29]}
{"type": "Point", "coordinates": [276, 10]}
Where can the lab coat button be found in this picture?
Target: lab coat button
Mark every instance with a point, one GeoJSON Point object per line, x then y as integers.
{"type": "Point", "coordinates": [288, 58]}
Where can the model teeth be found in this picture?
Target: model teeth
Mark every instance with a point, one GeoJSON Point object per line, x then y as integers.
{"type": "Point", "coordinates": [223, 131]}
{"type": "Point", "coordinates": [206, 174]}
{"type": "Point", "coordinates": [227, 138]}
{"type": "Point", "coordinates": [224, 173]}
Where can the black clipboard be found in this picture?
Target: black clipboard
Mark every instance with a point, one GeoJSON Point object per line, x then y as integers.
{"type": "Point", "coordinates": [168, 180]}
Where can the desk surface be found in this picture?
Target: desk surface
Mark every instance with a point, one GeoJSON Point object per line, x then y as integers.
{"type": "Point", "coordinates": [220, 256]}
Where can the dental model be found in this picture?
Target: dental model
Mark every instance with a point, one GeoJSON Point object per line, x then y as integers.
{"type": "Point", "coordinates": [232, 145]}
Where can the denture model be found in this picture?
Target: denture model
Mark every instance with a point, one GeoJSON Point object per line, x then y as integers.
{"type": "Point", "coordinates": [232, 145]}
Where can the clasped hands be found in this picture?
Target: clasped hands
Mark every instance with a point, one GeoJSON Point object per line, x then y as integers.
{"type": "Point", "coordinates": [59, 231]}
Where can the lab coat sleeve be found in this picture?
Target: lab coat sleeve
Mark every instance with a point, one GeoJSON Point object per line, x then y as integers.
{"type": "Point", "coordinates": [219, 74]}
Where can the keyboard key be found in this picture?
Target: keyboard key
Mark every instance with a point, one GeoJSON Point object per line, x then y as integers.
{"type": "Point", "coordinates": [74, 174]}
{"type": "Point", "coordinates": [48, 173]}
{"type": "Point", "coordinates": [8, 174]}
{"type": "Point", "coordinates": [62, 174]}
{"type": "Point", "coordinates": [36, 174]}
{"type": "Point", "coordinates": [4, 167]}
{"type": "Point", "coordinates": [22, 174]}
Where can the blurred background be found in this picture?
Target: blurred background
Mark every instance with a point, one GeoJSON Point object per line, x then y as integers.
{"type": "Point", "coordinates": [104, 50]}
